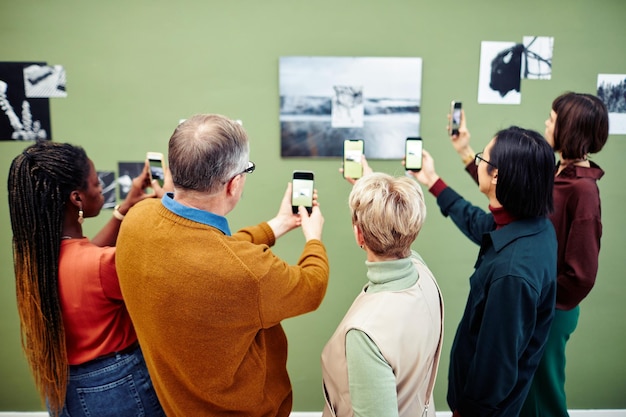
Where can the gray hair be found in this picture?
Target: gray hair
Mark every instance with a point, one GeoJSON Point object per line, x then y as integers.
{"type": "Point", "coordinates": [206, 151]}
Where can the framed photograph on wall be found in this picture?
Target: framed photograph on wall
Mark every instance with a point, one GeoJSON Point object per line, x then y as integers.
{"type": "Point", "coordinates": [612, 91]}
{"type": "Point", "coordinates": [537, 58]}
{"type": "Point", "coordinates": [325, 100]}
{"type": "Point", "coordinates": [500, 68]}
{"type": "Point", "coordinates": [126, 172]}
{"type": "Point", "coordinates": [22, 117]}
{"type": "Point", "coordinates": [107, 180]}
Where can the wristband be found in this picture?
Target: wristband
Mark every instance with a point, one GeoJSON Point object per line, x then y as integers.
{"type": "Point", "coordinates": [116, 213]}
{"type": "Point", "coordinates": [469, 158]}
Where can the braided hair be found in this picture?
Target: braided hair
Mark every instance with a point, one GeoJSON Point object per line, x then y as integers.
{"type": "Point", "coordinates": [41, 179]}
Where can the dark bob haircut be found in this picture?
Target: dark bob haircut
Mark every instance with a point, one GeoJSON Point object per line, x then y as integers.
{"type": "Point", "coordinates": [582, 125]}
{"type": "Point", "coordinates": [526, 167]}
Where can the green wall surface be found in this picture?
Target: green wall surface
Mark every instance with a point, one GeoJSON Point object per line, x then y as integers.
{"type": "Point", "coordinates": [134, 68]}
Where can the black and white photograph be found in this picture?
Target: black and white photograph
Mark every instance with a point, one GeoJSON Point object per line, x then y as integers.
{"type": "Point", "coordinates": [44, 81]}
{"type": "Point", "coordinates": [347, 109]}
{"type": "Point", "coordinates": [107, 180]}
{"type": "Point", "coordinates": [499, 77]}
{"type": "Point", "coordinates": [126, 172]}
{"type": "Point", "coordinates": [537, 57]}
{"type": "Point", "coordinates": [22, 118]}
{"type": "Point", "coordinates": [612, 91]}
{"type": "Point", "coordinates": [325, 100]}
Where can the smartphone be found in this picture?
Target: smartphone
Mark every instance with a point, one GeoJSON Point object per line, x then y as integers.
{"type": "Point", "coordinates": [455, 117]}
{"type": "Point", "coordinates": [352, 152]}
{"type": "Point", "coordinates": [302, 191]}
{"type": "Point", "coordinates": [413, 154]}
{"type": "Point", "coordinates": [155, 159]}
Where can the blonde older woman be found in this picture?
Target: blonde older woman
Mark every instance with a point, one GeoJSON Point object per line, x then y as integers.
{"type": "Point", "coordinates": [382, 360]}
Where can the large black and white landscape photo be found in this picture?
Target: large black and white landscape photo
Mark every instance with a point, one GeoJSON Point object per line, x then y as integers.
{"type": "Point", "coordinates": [325, 100]}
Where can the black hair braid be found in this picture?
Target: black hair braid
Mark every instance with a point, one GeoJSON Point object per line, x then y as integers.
{"type": "Point", "coordinates": [40, 181]}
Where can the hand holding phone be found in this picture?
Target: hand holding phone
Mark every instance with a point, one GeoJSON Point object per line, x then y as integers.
{"type": "Point", "coordinates": [455, 118]}
{"type": "Point", "coordinates": [302, 191]}
{"type": "Point", "coordinates": [352, 153]}
{"type": "Point", "coordinates": [413, 154]}
{"type": "Point", "coordinates": [155, 160]}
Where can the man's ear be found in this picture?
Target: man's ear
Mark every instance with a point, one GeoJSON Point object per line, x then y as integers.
{"type": "Point", "coordinates": [233, 185]}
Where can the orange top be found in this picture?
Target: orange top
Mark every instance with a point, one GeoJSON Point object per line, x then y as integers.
{"type": "Point", "coordinates": [94, 315]}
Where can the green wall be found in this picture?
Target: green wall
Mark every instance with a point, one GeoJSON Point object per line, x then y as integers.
{"type": "Point", "coordinates": [134, 68]}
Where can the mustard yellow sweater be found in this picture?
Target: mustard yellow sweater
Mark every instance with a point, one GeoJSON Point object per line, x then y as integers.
{"type": "Point", "coordinates": [207, 309]}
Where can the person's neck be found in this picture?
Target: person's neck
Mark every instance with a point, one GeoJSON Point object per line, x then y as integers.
{"type": "Point", "coordinates": [493, 201]}
{"type": "Point", "coordinates": [71, 228]}
{"type": "Point", "coordinates": [580, 162]}
{"type": "Point", "coordinates": [213, 203]}
{"type": "Point", "coordinates": [372, 257]}
{"type": "Point", "coordinates": [501, 216]}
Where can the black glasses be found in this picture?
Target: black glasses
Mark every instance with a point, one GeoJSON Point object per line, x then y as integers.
{"type": "Point", "coordinates": [479, 157]}
{"type": "Point", "coordinates": [250, 169]}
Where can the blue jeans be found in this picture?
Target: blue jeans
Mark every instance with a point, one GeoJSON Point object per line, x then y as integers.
{"type": "Point", "coordinates": [118, 386]}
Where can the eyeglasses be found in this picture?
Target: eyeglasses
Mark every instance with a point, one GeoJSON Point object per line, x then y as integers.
{"type": "Point", "coordinates": [249, 170]}
{"type": "Point", "coordinates": [479, 157]}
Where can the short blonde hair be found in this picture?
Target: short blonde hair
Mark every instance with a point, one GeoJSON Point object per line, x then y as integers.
{"type": "Point", "coordinates": [389, 211]}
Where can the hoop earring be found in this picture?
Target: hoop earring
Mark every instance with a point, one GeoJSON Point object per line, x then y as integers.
{"type": "Point", "coordinates": [81, 219]}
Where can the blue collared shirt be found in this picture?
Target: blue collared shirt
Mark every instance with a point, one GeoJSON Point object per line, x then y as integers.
{"type": "Point", "coordinates": [196, 215]}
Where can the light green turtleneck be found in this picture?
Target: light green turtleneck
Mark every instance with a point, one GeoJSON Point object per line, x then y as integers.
{"type": "Point", "coordinates": [395, 275]}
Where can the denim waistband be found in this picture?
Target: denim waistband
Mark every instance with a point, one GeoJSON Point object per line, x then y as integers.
{"type": "Point", "coordinates": [128, 349]}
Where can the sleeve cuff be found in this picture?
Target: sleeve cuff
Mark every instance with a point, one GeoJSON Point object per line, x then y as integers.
{"type": "Point", "coordinates": [438, 187]}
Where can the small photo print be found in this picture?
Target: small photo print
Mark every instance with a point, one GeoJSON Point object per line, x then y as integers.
{"type": "Point", "coordinates": [499, 77]}
{"type": "Point", "coordinates": [127, 171]}
{"type": "Point", "coordinates": [537, 57]}
{"type": "Point", "coordinates": [107, 180]}
{"type": "Point", "coordinates": [44, 81]}
{"type": "Point", "coordinates": [612, 91]}
{"type": "Point", "coordinates": [347, 106]}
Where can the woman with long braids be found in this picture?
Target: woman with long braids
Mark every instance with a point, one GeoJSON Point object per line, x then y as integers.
{"type": "Point", "coordinates": [76, 333]}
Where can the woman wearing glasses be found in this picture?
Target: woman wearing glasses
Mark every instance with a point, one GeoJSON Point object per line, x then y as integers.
{"type": "Point", "coordinates": [577, 126]}
{"type": "Point", "coordinates": [510, 307]}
